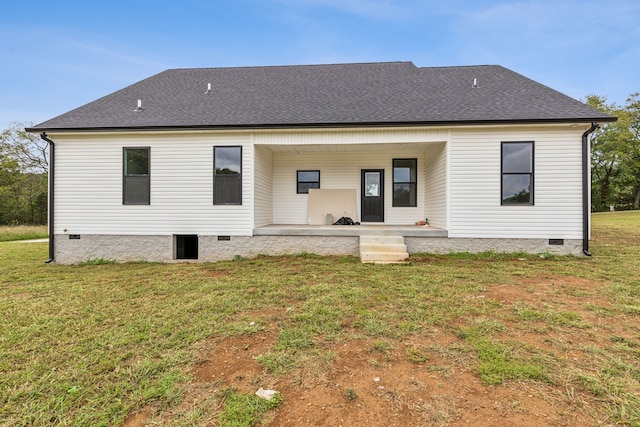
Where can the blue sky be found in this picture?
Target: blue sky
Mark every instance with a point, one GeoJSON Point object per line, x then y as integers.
{"type": "Point", "coordinates": [59, 55]}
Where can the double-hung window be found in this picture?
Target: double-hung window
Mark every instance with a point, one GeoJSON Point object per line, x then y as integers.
{"type": "Point", "coordinates": [227, 175]}
{"type": "Point", "coordinates": [306, 180]}
{"type": "Point", "coordinates": [517, 173]}
{"type": "Point", "coordinates": [405, 177]}
{"type": "Point", "coordinates": [136, 183]}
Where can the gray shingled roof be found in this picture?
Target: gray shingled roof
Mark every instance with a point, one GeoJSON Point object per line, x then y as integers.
{"type": "Point", "coordinates": [391, 93]}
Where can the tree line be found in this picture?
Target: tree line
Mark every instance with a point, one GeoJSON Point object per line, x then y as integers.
{"type": "Point", "coordinates": [615, 156]}
{"type": "Point", "coordinates": [615, 165]}
{"type": "Point", "coordinates": [23, 177]}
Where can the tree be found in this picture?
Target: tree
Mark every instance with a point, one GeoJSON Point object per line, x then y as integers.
{"type": "Point", "coordinates": [28, 149]}
{"type": "Point", "coordinates": [23, 177]}
{"type": "Point", "coordinates": [9, 173]}
{"type": "Point", "coordinates": [615, 155]}
{"type": "Point", "coordinates": [633, 108]}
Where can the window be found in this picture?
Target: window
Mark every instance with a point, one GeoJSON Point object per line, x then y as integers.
{"type": "Point", "coordinates": [136, 182]}
{"type": "Point", "coordinates": [517, 173]}
{"type": "Point", "coordinates": [405, 177]}
{"type": "Point", "coordinates": [227, 175]}
{"type": "Point", "coordinates": [307, 180]}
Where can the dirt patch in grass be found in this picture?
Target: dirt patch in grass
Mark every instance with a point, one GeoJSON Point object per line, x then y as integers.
{"type": "Point", "coordinates": [427, 378]}
{"type": "Point", "coordinates": [233, 362]}
{"type": "Point", "coordinates": [551, 289]}
{"type": "Point", "coordinates": [365, 387]}
{"type": "Point", "coordinates": [138, 419]}
{"type": "Point", "coordinates": [214, 274]}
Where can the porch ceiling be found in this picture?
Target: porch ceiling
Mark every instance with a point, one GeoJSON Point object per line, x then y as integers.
{"type": "Point", "coordinates": [348, 148]}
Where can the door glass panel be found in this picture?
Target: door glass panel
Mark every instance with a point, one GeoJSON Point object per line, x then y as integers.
{"type": "Point", "coordinates": [372, 184]}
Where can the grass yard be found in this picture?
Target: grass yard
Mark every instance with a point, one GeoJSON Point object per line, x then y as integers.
{"type": "Point", "coordinates": [22, 232]}
{"type": "Point", "coordinates": [445, 340]}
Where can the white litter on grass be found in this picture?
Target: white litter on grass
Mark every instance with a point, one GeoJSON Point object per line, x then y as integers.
{"type": "Point", "coordinates": [265, 394]}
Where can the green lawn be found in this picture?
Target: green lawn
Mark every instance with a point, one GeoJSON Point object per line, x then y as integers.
{"type": "Point", "coordinates": [87, 344]}
{"type": "Point", "coordinates": [22, 232]}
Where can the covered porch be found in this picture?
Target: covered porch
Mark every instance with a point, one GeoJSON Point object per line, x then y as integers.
{"type": "Point", "coordinates": [409, 167]}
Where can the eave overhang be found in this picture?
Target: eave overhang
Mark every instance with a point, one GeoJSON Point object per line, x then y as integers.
{"type": "Point", "coordinates": [280, 126]}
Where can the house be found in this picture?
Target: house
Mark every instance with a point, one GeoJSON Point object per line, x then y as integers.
{"type": "Point", "coordinates": [212, 163]}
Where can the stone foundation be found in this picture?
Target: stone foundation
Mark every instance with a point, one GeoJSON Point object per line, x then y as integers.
{"type": "Point", "coordinates": [251, 246]}
{"type": "Point", "coordinates": [162, 248]}
{"type": "Point", "coordinates": [533, 246]}
{"type": "Point", "coordinates": [109, 247]}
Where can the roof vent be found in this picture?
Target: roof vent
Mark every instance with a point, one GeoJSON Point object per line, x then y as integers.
{"type": "Point", "coordinates": [208, 88]}
{"type": "Point", "coordinates": [475, 84]}
{"type": "Point", "coordinates": [139, 107]}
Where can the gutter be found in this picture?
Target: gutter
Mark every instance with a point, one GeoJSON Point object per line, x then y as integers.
{"type": "Point", "coordinates": [52, 166]}
{"type": "Point", "coordinates": [586, 176]}
{"type": "Point", "coordinates": [303, 126]}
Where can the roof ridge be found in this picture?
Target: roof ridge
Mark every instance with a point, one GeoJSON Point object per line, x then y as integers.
{"type": "Point", "coordinates": [459, 66]}
{"type": "Point", "coordinates": [296, 65]}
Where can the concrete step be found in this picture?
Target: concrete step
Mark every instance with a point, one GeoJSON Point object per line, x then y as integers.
{"type": "Point", "coordinates": [384, 257]}
{"type": "Point", "coordinates": [383, 249]}
{"type": "Point", "coordinates": [399, 240]}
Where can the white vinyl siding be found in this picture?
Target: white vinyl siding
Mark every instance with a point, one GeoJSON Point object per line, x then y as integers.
{"type": "Point", "coordinates": [458, 180]}
{"type": "Point", "coordinates": [338, 171]}
{"type": "Point", "coordinates": [435, 188]}
{"type": "Point", "coordinates": [89, 186]}
{"type": "Point", "coordinates": [263, 186]}
{"type": "Point", "coordinates": [475, 209]}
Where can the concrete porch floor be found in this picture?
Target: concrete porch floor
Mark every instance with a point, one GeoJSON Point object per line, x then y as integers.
{"type": "Point", "coordinates": [349, 230]}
